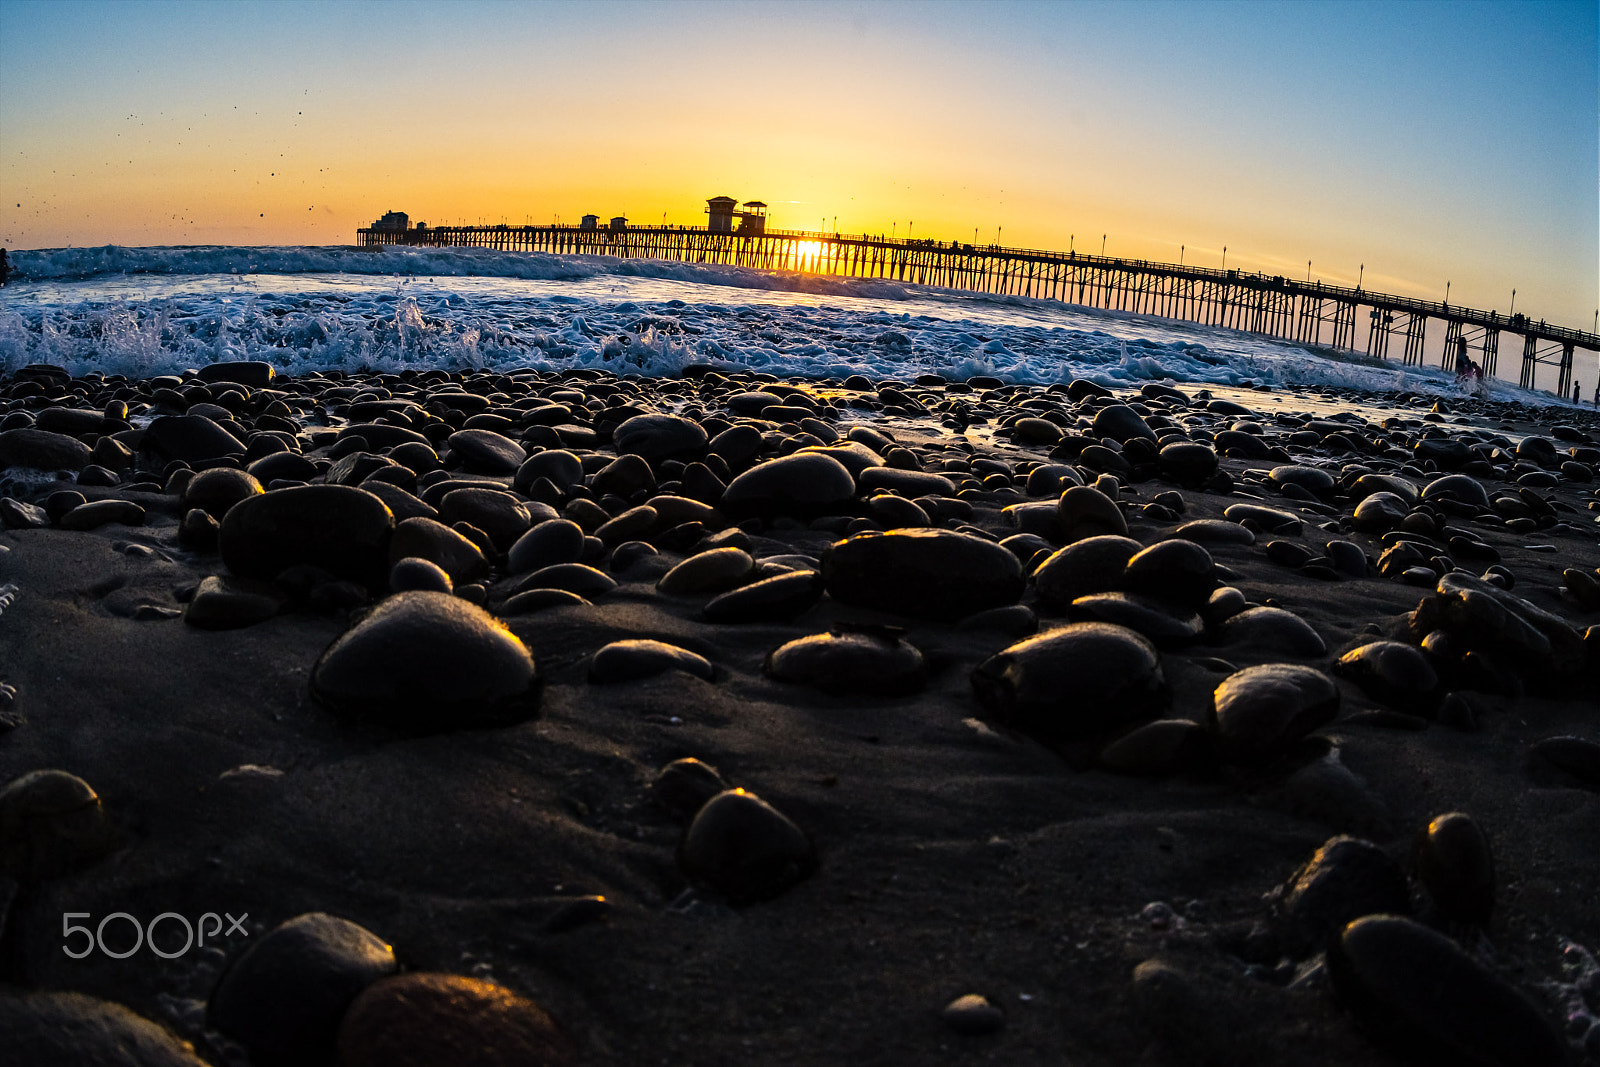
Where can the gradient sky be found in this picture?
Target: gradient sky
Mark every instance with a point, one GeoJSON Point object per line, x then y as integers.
{"type": "Point", "coordinates": [1432, 142]}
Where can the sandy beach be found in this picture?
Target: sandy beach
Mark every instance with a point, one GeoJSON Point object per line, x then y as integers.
{"type": "Point", "coordinates": [929, 624]}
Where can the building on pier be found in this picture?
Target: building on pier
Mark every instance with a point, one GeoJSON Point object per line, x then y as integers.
{"type": "Point", "coordinates": [393, 222]}
{"type": "Point", "coordinates": [590, 222]}
{"type": "Point", "coordinates": [724, 209]}
{"type": "Point", "coordinates": [619, 224]}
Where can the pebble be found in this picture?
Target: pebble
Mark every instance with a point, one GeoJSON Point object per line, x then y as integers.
{"type": "Point", "coordinates": [437, 543]}
{"type": "Point", "coordinates": [412, 573]}
{"type": "Point", "coordinates": [743, 848]}
{"type": "Point", "coordinates": [1274, 630]}
{"type": "Point", "coordinates": [343, 530]}
{"type": "Point", "coordinates": [497, 513]}
{"type": "Point", "coordinates": [1084, 680]}
{"type": "Point", "coordinates": [1313, 479]}
{"type": "Point", "coordinates": [713, 571]}
{"type": "Point", "coordinates": [424, 1019]}
{"type": "Point", "coordinates": [850, 662]}
{"type": "Point", "coordinates": [1164, 622]}
{"type": "Point", "coordinates": [542, 600]}
{"type": "Point", "coordinates": [1260, 711]}
{"type": "Point", "coordinates": [550, 542]}
{"type": "Point", "coordinates": [486, 452]}
{"type": "Point", "coordinates": [1121, 423]}
{"type": "Point", "coordinates": [425, 662]}
{"type": "Point", "coordinates": [579, 578]}
{"type": "Point", "coordinates": [217, 490]}
{"type": "Point", "coordinates": [1087, 512]}
{"type": "Point", "coordinates": [659, 437]}
{"type": "Point", "coordinates": [684, 785]}
{"type": "Point", "coordinates": [1163, 747]}
{"type": "Point", "coordinates": [191, 438]}
{"type": "Point", "coordinates": [974, 1014]}
{"type": "Point", "coordinates": [51, 823]}
{"type": "Point", "coordinates": [1459, 487]}
{"type": "Point", "coordinates": [1216, 531]}
{"type": "Point", "coordinates": [1456, 865]}
{"type": "Point", "coordinates": [1188, 463]}
{"type": "Point", "coordinates": [1273, 520]}
{"type": "Point", "coordinates": [226, 603]}
{"type": "Point", "coordinates": [46, 1029]}
{"type": "Point", "coordinates": [1345, 879]}
{"type": "Point", "coordinates": [283, 998]}
{"type": "Point", "coordinates": [779, 598]}
{"type": "Point", "coordinates": [931, 574]}
{"type": "Point", "coordinates": [1177, 570]}
{"type": "Point", "coordinates": [1092, 565]}
{"type": "Point", "coordinates": [632, 660]}
{"type": "Point", "coordinates": [1392, 673]}
{"type": "Point", "coordinates": [1380, 513]}
{"type": "Point", "coordinates": [99, 513]}
{"type": "Point", "coordinates": [1418, 992]}
{"type": "Point", "coordinates": [800, 483]}
{"type": "Point", "coordinates": [255, 373]}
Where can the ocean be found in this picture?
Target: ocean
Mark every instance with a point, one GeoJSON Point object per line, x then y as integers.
{"type": "Point", "coordinates": [146, 311]}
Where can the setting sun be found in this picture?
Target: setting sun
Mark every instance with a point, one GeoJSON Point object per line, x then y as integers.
{"type": "Point", "coordinates": [806, 254]}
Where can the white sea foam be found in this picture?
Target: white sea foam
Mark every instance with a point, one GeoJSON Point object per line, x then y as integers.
{"type": "Point", "coordinates": [145, 311]}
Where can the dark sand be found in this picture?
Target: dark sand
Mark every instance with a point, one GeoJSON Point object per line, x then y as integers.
{"type": "Point", "coordinates": [955, 855]}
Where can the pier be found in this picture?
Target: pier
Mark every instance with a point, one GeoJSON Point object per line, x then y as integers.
{"type": "Point", "coordinates": [1315, 314]}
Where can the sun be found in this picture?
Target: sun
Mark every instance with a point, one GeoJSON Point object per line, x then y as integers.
{"type": "Point", "coordinates": [805, 254]}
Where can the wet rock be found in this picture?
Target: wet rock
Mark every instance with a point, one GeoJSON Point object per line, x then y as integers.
{"type": "Point", "coordinates": [1163, 747]}
{"type": "Point", "coordinates": [541, 600]}
{"type": "Point", "coordinates": [1274, 630]}
{"type": "Point", "coordinates": [1272, 520]}
{"type": "Point", "coordinates": [199, 531]}
{"type": "Point", "coordinates": [800, 483]}
{"type": "Point", "coordinates": [1216, 531]}
{"type": "Point", "coordinates": [1445, 453]}
{"type": "Point", "coordinates": [1380, 513]}
{"type": "Point", "coordinates": [1092, 565]}
{"type": "Point", "coordinates": [226, 603]}
{"type": "Point", "coordinates": [1166, 623]}
{"type": "Point", "coordinates": [713, 571]}
{"type": "Point", "coordinates": [562, 468]}
{"type": "Point", "coordinates": [1456, 866]}
{"type": "Point", "coordinates": [1040, 432]}
{"type": "Point", "coordinates": [908, 484]}
{"type": "Point", "coordinates": [217, 490]}
{"type": "Point", "coordinates": [99, 513]}
{"type": "Point", "coordinates": [624, 476]}
{"type": "Point", "coordinates": [424, 662]}
{"type": "Point", "coordinates": [743, 848]}
{"type": "Point", "coordinates": [440, 545]}
{"type": "Point", "coordinates": [850, 662]}
{"type": "Point", "coordinates": [428, 1020]}
{"type": "Point", "coordinates": [1260, 711]}
{"type": "Point", "coordinates": [51, 823]}
{"type": "Point", "coordinates": [684, 785]}
{"type": "Point", "coordinates": [343, 530]}
{"type": "Point", "coordinates": [855, 456]}
{"type": "Point", "coordinates": [1418, 992]}
{"type": "Point", "coordinates": [486, 451]}
{"type": "Point", "coordinates": [1462, 488]}
{"type": "Point", "coordinates": [1392, 673]}
{"type": "Point", "coordinates": [18, 515]}
{"type": "Point", "coordinates": [1482, 618]}
{"type": "Point", "coordinates": [411, 573]}
{"type": "Point", "coordinates": [43, 450]}
{"type": "Point", "coordinates": [781, 597]}
{"type": "Point", "coordinates": [933, 574]}
{"type": "Point", "coordinates": [974, 1014]}
{"type": "Point", "coordinates": [48, 1029]}
{"type": "Point", "coordinates": [1087, 512]}
{"type": "Point", "coordinates": [550, 542]}
{"type": "Point", "coordinates": [629, 661]}
{"type": "Point", "coordinates": [1177, 570]}
{"type": "Point", "coordinates": [191, 438]}
{"type": "Point", "coordinates": [499, 514]}
{"type": "Point", "coordinates": [579, 578]}
{"type": "Point", "coordinates": [631, 525]}
{"type": "Point", "coordinates": [1188, 463]}
{"type": "Point", "coordinates": [1241, 445]}
{"type": "Point", "coordinates": [1083, 680]}
{"type": "Point", "coordinates": [659, 437]}
{"type": "Point", "coordinates": [1312, 479]}
{"type": "Point", "coordinates": [283, 998]}
{"type": "Point", "coordinates": [1347, 557]}
{"type": "Point", "coordinates": [254, 373]}
{"type": "Point", "coordinates": [1345, 879]}
{"type": "Point", "coordinates": [1122, 424]}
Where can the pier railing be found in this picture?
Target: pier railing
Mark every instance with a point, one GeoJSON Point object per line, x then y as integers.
{"type": "Point", "coordinates": [1312, 313]}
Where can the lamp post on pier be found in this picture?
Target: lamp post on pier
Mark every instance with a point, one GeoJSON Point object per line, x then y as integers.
{"type": "Point", "coordinates": [1180, 255]}
{"type": "Point", "coordinates": [1446, 294]}
{"type": "Point", "coordinates": [1224, 257]}
{"type": "Point", "coordinates": [1513, 310]}
{"type": "Point", "coordinates": [1361, 274]}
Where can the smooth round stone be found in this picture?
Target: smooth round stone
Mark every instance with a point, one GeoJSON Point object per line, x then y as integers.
{"type": "Point", "coordinates": [1216, 531]}
{"type": "Point", "coordinates": [1456, 866]}
{"type": "Point", "coordinates": [1445, 453]}
{"type": "Point", "coordinates": [541, 600]}
{"type": "Point", "coordinates": [424, 662]}
{"type": "Point", "coordinates": [624, 476]}
{"type": "Point", "coordinates": [1121, 423]}
{"type": "Point", "coordinates": [855, 456]}
{"type": "Point", "coordinates": [932, 574]}
{"type": "Point", "coordinates": [283, 998]}
{"type": "Point", "coordinates": [1270, 519]}
{"type": "Point", "coordinates": [1242, 445]}
{"type": "Point", "coordinates": [802, 481]}
{"type": "Point", "coordinates": [713, 571]}
{"type": "Point", "coordinates": [563, 468]}
{"type": "Point", "coordinates": [1403, 488]}
{"type": "Point", "coordinates": [751, 402]}
{"type": "Point", "coordinates": [908, 484]}
{"type": "Point", "coordinates": [424, 1019]}
{"type": "Point", "coordinates": [1166, 746]}
{"type": "Point", "coordinates": [1313, 479]}
{"type": "Point", "coordinates": [1081, 681]}
{"type": "Point", "coordinates": [579, 578]}
{"type": "Point", "coordinates": [51, 823]}
{"type": "Point", "coordinates": [658, 437]}
{"type": "Point", "coordinates": [73, 1030]}
{"type": "Point", "coordinates": [629, 661]}
{"type": "Point", "coordinates": [737, 445]}
{"type": "Point", "coordinates": [974, 1014]}
{"type": "Point", "coordinates": [1177, 569]}
{"type": "Point", "coordinates": [486, 451]}
{"type": "Point", "coordinates": [1346, 878]}
{"type": "Point", "coordinates": [218, 489]}
{"type": "Point", "coordinates": [1087, 512]}
{"type": "Point", "coordinates": [1420, 993]}
{"type": "Point", "coordinates": [1104, 460]}
{"type": "Point", "coordinates": [632, 525]}
{"type": "Point", "coordinates": [401, 503]}
{"type": "Point", "coordinates": [1260, 711]}
{"type": "Point", "coordinates": [550, 542]}
{"type": "Point", "coordinates": [411, 573]}
{"type": "Point", "coordinates": [198, 531]}
{"type": "Point", "coordinates": [684, 785]}
{"type": "Point", "coordinates": [1189, 463]}
{"type": "Point", "coordinates": [743, 848]}
{"type": "Point", "coordinates": [1347, 557]}
{"type": "Point", "coordinates": [1274, 630]}
{"type": "Point", "coordinates": [1462, 488]}
{"type": "Point", "coordinates": [781, 597]}
{"type": "Point", "coordinates": [228, 603]}
{"type": "Point", "coordinates": [254, 373]}
{"type": "Point", "coordinates": [850, 662]}
{"type": "Point", "coordinates": [1041, 432]}
{"type": "Point", "coordinates": [290, 466]}
{"type": "Point", "coordinates": [343, 530]}
{"type": "Point", "coordinates": [98, 513]}
{"type": "Point", "coordinates": [1013, 620]}
{"type": "Point", "coordinates": [1538, 451]}
{"type": "Point", "coordinates": [440, 545]}
{"type": "Point", "coordinates": [1380, 513]}
{"type": "Point", "coordinates": [1392, 673]}
{"type": "Point", "coordinates": [1168, 625]}
{"type": "Point", "coordinates": [1083, 568]}
{"type": "Point", "coordinates": [191, 438]}
{"type": "Point", "coordinates": [896, 512]}
{"type": "Point", "coordinates": [499, 514]}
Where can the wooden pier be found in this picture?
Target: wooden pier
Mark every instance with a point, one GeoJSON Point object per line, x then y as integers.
{"type": "Point", "coordinates": [1309, 313]}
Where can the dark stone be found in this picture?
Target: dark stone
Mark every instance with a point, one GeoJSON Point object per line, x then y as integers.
{"type": "Point", "coordinates": [1242, 445]}
{"type": "Point", "coordinates": [1393, 673]}
{"type": "Point", "coordinates": [98, 513]}
{"type": "Point", "coordinates": [541, 600]}
{"type": "Point", "coordinates": [403, 504]}
{"type": "Point", "coordinates": [1346, 878]}
{"type": "Point", "coordinates": [909, 484]}
{"type": "Point", "coordinates": [801, 483]}
{"type": "Point", "coordinates": [253, 373]}
{"type": "Point", "coordinates": [428, 1020]}
{"type": "Point", "coordinates": [1446, 453]}
{"type": "Point", "coordinates": [1462, 488]}
{"type": "Point", "coordinates": [343, 530]}
{"type": "Point", "coordinates": [714, 571]}
{"type": "Point", "coordinates": [1274, 630]}
{"type": "Point", "coordinates": [191, 438]}
{"type": "Point", "coordinates": [1260, 711]}
{"type": "Point", "coordinates": [487, 451]}
{"type": "Point", "coordinates": [1081, 681]}
{"type": "Point", "coordinates": [43, 450]}
{"type": "Point", "coordinates": [283, 998]}
{"type": "Point", "coordinates": [276, 465]}
{"type": "Point", "coordinates": [850, 662]}
{"type": "Point", "coordinates": [629, 661]}
{"type": "Point", "coordinates": [1177, 570]}
{"type": "Point", "coordinates": [227, 603]}
{"type": "Point", "coordinates": [1272, 520]}
{"type": "Point", "coordinates": [411, 573]}
{"type": "Point", "coordinates": [624, 476]}
{"type": "Point", "coordinates": [579, 578]}
{"type": "Point", "coordinates": [684, 785]}
{"type": "Point", "coordinates": [1456, 866]}
{"type": "Point", "coordinates": [973, 1015]}
{"type": "Point", "coordinates": [740, 846]}
{"type": "Point", "coordinates": [1087, 512]}
{"type": "Point", "coordinates": [775, 599]}
{"type": "Point", "coordinates": [1092, 565]}
{"type": "Point", "coordinates": [550, 542]}
{"type": "Point", "coordinates": [1188, 463]}
{"type": "Point", "coordinates": [1121, 423]}
{"type": "Point", "coordinates": [1380, 512]}
{"type": "Point", "coordinates": [934, 574]}
{"type": "Point", "coordinates": [1162, 621]}
{"type": "Point", "coordinates": [1576, 756]}
{"type": "Point", "coordinates": [73, 1030]}
{"type": "Point", "coordinates": [499, 514]}
{"type": "Point", "coordinates": [1419, 993]}
{"type": "Point", "coordinates": [215, 491]}
{"type": "Point", "coordinates": [1216, 531]}
{"type": "Point", "coordinates": [51, 823]}
{"type": "Point", "coordinates": [425, 662]}
{"type": "Point", "coordinates": [1163, 747]}
{"type": "Point", "coordinates": [658, 437]}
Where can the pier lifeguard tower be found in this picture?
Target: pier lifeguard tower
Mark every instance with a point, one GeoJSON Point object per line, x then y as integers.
{"type": "Point", "coordinates": [724, 209]}
{"type": "Point", "coordinates": [393, 222]}
{"type": "Point", "coordinates": [590, 222]}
